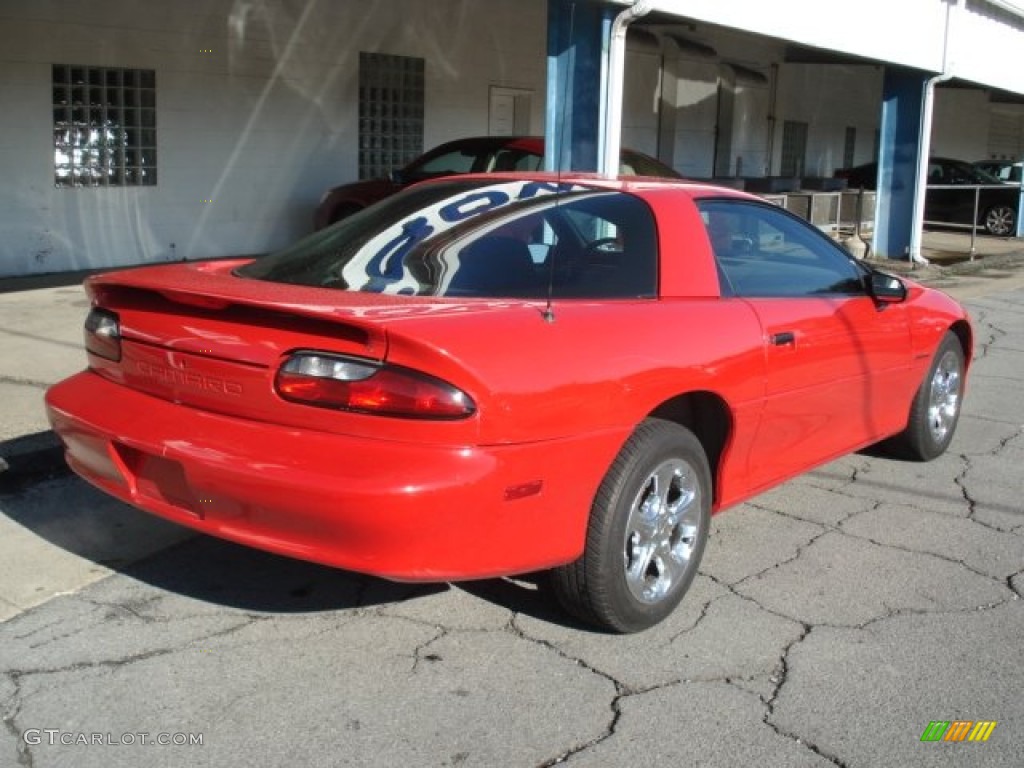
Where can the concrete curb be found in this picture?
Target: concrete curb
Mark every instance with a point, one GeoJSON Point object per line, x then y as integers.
{"type": "Point", "coordinates": [938, 271]}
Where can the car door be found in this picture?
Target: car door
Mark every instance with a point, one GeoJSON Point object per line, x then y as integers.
{"type": "Point", "coordinates": [832, 354]}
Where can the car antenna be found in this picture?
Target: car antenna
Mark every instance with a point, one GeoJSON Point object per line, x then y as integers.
{"type": "Point", "coordinates": [549, 312]}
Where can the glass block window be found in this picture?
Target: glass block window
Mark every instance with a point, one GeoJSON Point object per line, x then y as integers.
{"type": "Point", "coordinates": [390, 112]}
{"type": "Point", "coordinates": [794, 148]}
{"type": "Point", "coordinates": [104, 126]}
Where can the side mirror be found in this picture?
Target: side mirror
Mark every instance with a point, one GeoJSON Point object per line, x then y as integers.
{"type": "Point", "coordinates": [886, 289]}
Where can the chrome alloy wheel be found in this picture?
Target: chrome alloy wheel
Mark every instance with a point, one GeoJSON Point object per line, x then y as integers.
{"type": "Point", "coordinates": [1000, 220]}
{"type": "Point", "coordinates": [944, 396]}
{"type": "Point", "coordinates": [661, 531]}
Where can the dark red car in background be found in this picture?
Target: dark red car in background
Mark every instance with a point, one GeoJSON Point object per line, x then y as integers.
{"type": "Point", "coordinates": [481, 154]}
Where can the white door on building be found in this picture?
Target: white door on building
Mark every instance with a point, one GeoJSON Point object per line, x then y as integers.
{"type": "Point", "coordinates": [509, 111]}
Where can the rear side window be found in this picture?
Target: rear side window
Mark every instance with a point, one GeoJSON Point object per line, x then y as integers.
{"type": "Point", "coordinates": [506, 239]}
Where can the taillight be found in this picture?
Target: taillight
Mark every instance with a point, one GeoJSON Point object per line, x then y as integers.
{"type": "Point", "coordinates": [333, 381]}
{"type": "Point", "coordinates": [103, 334]}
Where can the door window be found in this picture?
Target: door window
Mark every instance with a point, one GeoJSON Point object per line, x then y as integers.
{"type": "Point", "coordinates": [763, 251]}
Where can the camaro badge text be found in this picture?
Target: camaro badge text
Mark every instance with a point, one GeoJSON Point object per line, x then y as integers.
{"type": "Point", "coordinates": [189, 379]}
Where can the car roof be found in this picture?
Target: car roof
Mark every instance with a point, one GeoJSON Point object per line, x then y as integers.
{"type": "Point", "coordinates": [530, 143]}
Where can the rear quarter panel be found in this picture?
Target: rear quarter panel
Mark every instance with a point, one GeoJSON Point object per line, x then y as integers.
{"type": "Point", "coordinates": [599, 370]}
{"type": "Point", "coordinates": [596, 366]}
{"type": "Point", "coordinates": [605, 365]}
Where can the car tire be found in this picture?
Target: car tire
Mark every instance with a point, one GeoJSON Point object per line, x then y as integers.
{"type": "Point", "coordinates": [1000, 220]}
{"type": "Point", "coordinates": [646, 534]}
{"type": "Point", "coordinates": [936, 407]}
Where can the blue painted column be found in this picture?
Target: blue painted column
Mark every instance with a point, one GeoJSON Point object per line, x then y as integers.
{"type": "Point", "coordinates": [899, 147]}
{"type": "Point", "coordinates": [578, 35]}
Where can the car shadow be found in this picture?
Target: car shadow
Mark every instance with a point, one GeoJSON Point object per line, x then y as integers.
{"type": "Point", "coordinates": [223, 573]}
{"type": "Point", "coordinates": [28, 459]}
{"type": "Point", "coordinates": [528, 595]}
{"type": "Point", "coordinates": [885, 449]}
{"type": "Point", "coordinates": [68, 514]}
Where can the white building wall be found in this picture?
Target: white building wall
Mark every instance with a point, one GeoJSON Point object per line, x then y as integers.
{"type": "Point", "coordinates": [960, 124]}
{"type": "Point", "coordinates": [261, 125]}
{"type": "Point", "coordinates": [719, 107]}
{"type": "Point", "coordinates": [829, 98]}
{"type": "Point", "coordinates": [696, 114]}
{"type": "Point", "coordinates": [1005, 133]}
{"type": "Point", "coordinates": [750, 130]}
{"type": "Point", "coordinates": [266, 120]}
{"type": "Point", "coordinates": [986, 43]}
{"type": "Point", "coordinates": [641, 100]}
{"type": "Point", "coordinates": [901, 31]}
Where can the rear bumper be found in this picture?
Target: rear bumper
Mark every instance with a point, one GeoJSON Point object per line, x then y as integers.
{"type": "Point", "coordinates": [398, 510]}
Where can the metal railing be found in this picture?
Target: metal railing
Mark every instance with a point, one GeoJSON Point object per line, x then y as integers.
{"type": "Point", "coordinates": [851, 213]}
{"type": "Point", "coordinates": [974, 226]}
{"type": "Point", "coordinates": [841, 215]}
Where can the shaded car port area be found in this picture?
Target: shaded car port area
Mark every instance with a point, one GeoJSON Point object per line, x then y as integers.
{"type": "Point", "coordinates": [1002, 170]}
{"type": "Point", "coordinates": [958, 194]}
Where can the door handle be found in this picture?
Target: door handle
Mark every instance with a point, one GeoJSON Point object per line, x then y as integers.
{"type": "Point", "coordinates": [783, 338]}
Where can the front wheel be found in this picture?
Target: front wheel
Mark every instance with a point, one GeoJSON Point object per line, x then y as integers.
{"type": "Point", "coordinates": [1001, 220]}
{"type": "Point", "coordinates": [936, 407]}
{"type": "Point", "coordinates": [647, 530]}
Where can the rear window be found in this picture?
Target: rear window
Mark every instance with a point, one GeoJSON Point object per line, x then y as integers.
{"type": "Point", "coordinates": [504, 239]}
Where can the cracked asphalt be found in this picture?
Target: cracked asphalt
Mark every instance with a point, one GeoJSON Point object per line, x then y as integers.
{"type": "Point", "coordinates": [832, 620]}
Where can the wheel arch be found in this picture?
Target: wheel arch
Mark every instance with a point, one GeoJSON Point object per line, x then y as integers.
{"type": "Point", "coordinates": [709, 417]}
{"type": "Point", "coordinates": [962, 330]}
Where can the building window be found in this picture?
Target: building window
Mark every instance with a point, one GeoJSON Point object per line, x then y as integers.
{"type": "Point", "coordinates": [794, 148]}
{"type": "Point", "coordinates": [104, 126]}
{"type": "Point", "coordinates": [390, 112]}
{"type": "Point", "coordinates": [849, 146]}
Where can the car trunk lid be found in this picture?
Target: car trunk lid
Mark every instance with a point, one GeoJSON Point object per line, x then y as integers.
{"type": "Point", "coordinates": [200, 336]}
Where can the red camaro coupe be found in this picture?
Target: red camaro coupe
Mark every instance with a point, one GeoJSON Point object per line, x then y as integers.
{"type": "Point", "coordinates": [496, 374]}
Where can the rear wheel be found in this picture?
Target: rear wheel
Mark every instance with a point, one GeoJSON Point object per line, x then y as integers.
{"type": "Point", "coordinates": [1001, 220]}
{"type": "Point", "coordinates": [647, 530]}
{"type": "Point", "coordinates": [936, 407]}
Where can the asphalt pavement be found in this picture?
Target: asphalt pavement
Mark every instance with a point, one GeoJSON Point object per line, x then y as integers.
{"type": "Point", "coordinates": [833, 619]}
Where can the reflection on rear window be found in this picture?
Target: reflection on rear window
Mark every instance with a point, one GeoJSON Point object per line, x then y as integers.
{"type": "Point", "coordinates": [487, 239]}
